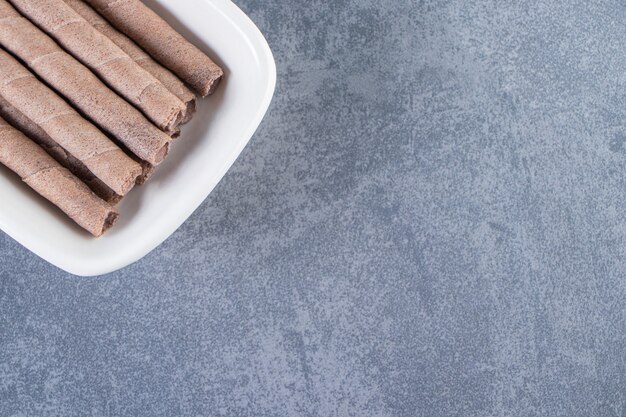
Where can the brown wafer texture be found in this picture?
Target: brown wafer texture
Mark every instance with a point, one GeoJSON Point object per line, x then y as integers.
{"type": "Point", "coordinates": [66, 127]}
{"type": "Point", "coordinates": [106, 59]}
{"type": "Point", "coordinates": [54, 182]}
{"type": "Point", "coordinates": [160, 40]}
{"type": "Point", "coordinates": [167, 78]}
{"type": "Point", "coordinates": [39, 136]}
{"type": "Point", "coordinates": [81, 87]}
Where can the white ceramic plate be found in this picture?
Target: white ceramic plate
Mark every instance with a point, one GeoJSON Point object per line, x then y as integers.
{"type": "Point", "coordinates": [209, 145]}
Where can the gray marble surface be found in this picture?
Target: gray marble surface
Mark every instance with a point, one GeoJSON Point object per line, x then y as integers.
{"type": "Point", "coordinates": [431, 221]}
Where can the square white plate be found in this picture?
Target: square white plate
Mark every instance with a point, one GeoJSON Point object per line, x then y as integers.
{"type": "Point", "coordinates": [199, 159]}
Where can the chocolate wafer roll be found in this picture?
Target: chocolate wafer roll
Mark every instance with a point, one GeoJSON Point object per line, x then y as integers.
{"type": "Point", "coordinates": [81, 87]}
{"type": "Point", "coordinates": [106, 59]}
{"type": "Point", "coordinates": [66, 127]}
{"type": "Point", "coordinates": [54, 182]}
{"type": "Point", "coordinates": [167, 78]}
{"type": "Point", "coordinates": [39, 136]}
{"type": "Point", "coordinates": [160, 40]}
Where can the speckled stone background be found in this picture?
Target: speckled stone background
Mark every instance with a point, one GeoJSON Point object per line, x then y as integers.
{"type": "Point", "coordinates": [431, 221]}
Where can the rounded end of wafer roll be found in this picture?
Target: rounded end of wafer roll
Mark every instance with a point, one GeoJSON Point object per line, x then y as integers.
{"type": "Point", "coordinates": [115, 199]}
{"type": "Point", "coordinates": [175, 134]}
{"type": "Point", "coordinates": [161, 154]}
{"type": "Point", "coordinates": [214, 81]}
{"type": "Point", "coordinates": [130, 180]}
{"type": "Point", "coordinates": [177, 119]}
{"type": "Point", "coordinates": [148, 170]}
{"type": "Point", "coordinates": [109, 222]}
{"type": "Point", "coordinates": [190, 111]}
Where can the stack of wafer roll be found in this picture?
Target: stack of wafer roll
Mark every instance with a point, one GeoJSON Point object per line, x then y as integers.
{"type": "Point", "coordinates": [81, 87]}
{"type": "Point", "coordinates": [54, 182]}
{"type": "Point", "coordinates": [167, 78]}
{"type": "Point", "coordinates": [160, 40]}
{"type": "Point", "coordinates": [65, 127]}
{"type": "Point", "coordinates": [90, 102]}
